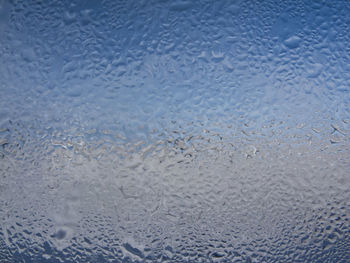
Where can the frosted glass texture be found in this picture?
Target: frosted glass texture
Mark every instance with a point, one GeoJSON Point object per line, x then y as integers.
{"type": "Point", "coordinates": [174, 131]}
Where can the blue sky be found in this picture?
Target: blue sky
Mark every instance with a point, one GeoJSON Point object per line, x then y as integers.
{"type": "Point", "coordinates": [180, 130]}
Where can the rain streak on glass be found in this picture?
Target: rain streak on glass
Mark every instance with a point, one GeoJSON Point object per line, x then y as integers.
{"type": "Point", "coordinates": [174, 131]}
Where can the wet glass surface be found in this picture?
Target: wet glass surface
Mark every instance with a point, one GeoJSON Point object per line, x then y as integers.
{"type": "Point", "coordinates": [174, 131]}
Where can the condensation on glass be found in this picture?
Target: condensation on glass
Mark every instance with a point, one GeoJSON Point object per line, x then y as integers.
{"type": "Point", "coordinates": [174, 131]}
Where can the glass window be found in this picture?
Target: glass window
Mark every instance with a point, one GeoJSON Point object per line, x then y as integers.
{"type": "Point", "coordinates": [174, 131]}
